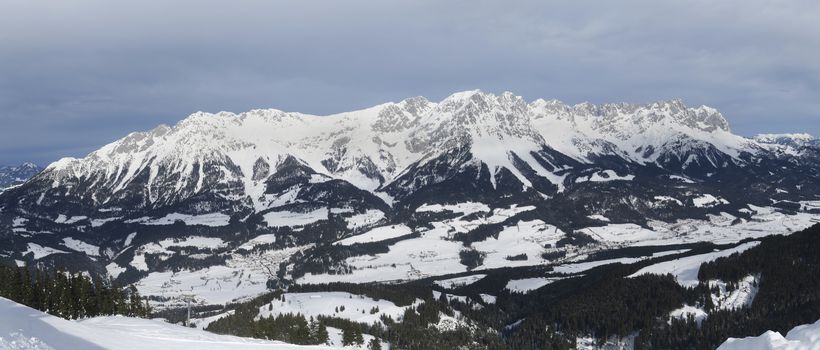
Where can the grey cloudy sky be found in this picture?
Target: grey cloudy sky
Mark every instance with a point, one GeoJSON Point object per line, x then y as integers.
{"type": "Point", "coordinates": [77, 75]}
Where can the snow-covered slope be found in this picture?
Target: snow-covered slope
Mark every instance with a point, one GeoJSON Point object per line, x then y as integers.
{"type": "Point", "coordinates": [803, 337]}
{"type": "Point", "coordinates": [24, 328]}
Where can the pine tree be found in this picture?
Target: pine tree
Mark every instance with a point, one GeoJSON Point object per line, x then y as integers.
{"type": "Point", "coordinates": [357, 333]}
{"type": "Point", "coordinates": [26, 292]}
{"type": "Point", "coordinates": [322, 336]}
{"type": "Point", "coordinates": [375, 344]}
{"type": "Point", "coordinates": [348, 335]}
{"type": "Point", "coordinates": [146, 309]}
{"type": "Point", "coordinates": [135, 307]}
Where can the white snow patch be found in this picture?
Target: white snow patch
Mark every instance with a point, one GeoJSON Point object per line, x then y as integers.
{"type": "Point", "coordinates": [619, 233]}
{"type": "Point", "coordinates": [487, 298]}
{"type": "Point", "coordinates": [708, 200]}
{"type": "Point", "coordinates": [341, 210]}
{"type": "Point", "coordinates": [681, 178]}
{"type": "Point", "coordinates": [604, 176]}
{"type": "Point", "coordinates": [377, 234]}
{"type": "Point", "coordinates": [259, 240]}
{"type": "Point", "coordinates": [525, 285]}
{"type": "Point", "coordinates": [192, 241]}
{"type": "Point", "coordinates": [665, 199]}
{"type": "Point", "coordinates": [80, 246]}
{"type": "Point", "coordinates": [459, 281]}
{"type": "Point", "coordinates": [40, 251]}
{"type": "Point", "coordinates": [740, 297]}
{"type": "Point", "coordinates": [686, 269]}
{"type": "Point", "coordinates": [370, 217]}
{"type": "Point", "coordinates": [684, 312]}
{"type": "Point", "coordinates": [114, 270]}
{"type": "Point", "coordinates": [289, 218]}
{"type": "Point", "coordinates": [598, 217]}
{"type": "Point", "coordinates": [100, 222]}
{"type": "Point", "coordinates": [62, 219]}
{"type": "Point", "coordinates": [19, 222]}
{"type": "Point", "coordinates": [129, 239]}
{"type": "Point", "coordinates": [465, 208]}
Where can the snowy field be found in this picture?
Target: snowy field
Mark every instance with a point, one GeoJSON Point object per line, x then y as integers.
{"type": "Point", "coordinates": [370, 217]}
{"type": "Point", "coordinates": [356, 308]}
{"type": "Point", "coordinates": [377, 234]}
{"type": "Point", "coordinates": [23, 328]}
{"type": "Point", "coordinates": [288, 218]}
{"type": "Point", "coordinates": [80, 246]}
{"type": "Point", "coordinates": [686, 269]}
{"type": "Point", "coordinates": [459, 281]}
{"type": "Point", "coordinates": [574, 268]}
{"type": "Point", "coordinates": [525, 285]}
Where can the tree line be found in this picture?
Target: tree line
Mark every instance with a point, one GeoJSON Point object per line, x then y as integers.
{"type": "Point", "coordinates": [70, 296]}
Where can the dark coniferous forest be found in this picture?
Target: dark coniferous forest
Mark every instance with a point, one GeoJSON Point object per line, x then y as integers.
{"type": "Point", "coordinates": [70, 296]}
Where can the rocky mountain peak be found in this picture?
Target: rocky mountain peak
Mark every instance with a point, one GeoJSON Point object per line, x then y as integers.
{"type": "Point", "coordinates": [15, 175]}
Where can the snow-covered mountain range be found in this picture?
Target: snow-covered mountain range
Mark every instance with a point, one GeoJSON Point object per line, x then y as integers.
{"type": "Point", "coordinates": [16, 175]}
{"type": "Point", "coordinates": [283, 196]}
{"type": "Point", "coordinates": [375, 147]}
{"type": "Point", "coordinates": [792, 140]}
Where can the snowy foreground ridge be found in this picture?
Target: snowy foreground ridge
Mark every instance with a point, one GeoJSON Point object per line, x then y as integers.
{"type": "Point", "coordinates": [24, 328]}
{"type": "Point", "coordinates": [805, 337]}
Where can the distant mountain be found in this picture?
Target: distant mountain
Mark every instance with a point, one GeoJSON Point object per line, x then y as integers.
{"type": "Point", "coordinates": [16, 175]}
{"type": "Point", "coordinates": [792, 140]}
{"type": "Point", "coordinates": [401, 191]}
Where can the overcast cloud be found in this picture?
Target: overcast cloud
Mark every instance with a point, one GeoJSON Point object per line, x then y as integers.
{"type": "Point", "coordinates": [77, 75]}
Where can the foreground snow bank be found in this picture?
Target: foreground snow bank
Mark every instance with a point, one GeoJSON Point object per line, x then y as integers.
{"type": "Point", "coordinates": [24, 328]}
{"type": "Point", "coordinates": [805, 337]}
